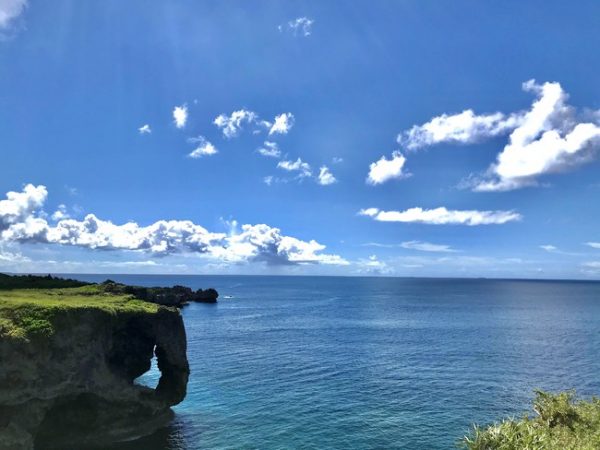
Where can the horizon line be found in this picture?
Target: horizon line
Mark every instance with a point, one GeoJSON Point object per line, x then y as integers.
{"type": "Point", "coordinates": [578, 280]}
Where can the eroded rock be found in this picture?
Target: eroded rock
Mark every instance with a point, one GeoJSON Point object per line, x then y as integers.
{"type": "Point", "coordinates": [77, 385]}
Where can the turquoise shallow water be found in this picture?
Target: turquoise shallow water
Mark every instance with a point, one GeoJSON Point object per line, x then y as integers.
{"type": "Point", "coordinates": [372, 363]}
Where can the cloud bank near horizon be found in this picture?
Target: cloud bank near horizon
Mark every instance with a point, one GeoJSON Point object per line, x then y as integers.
{"type": "Point", "coordinates": [23, 220]}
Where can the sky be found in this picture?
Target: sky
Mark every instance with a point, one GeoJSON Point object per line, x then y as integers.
{"type": "Point", "coordinates": [394, 138]}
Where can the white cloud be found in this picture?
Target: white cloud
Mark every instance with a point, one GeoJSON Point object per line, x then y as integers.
{"type": "Point", "coordinates": [442, 216]}
{"type": "Point", "coordinates": [203, 148]}
{"type": "Point", "coordinates": [145, 129]}
{"type": "Point", "coordinates": [549, 248]}
{"type": "Point", "coordinates": [465, 128]}
{"type": "Point", "coordinates": [591, 267]}
{"type": "Point", "coordinates": [10, 10]}
{"type": "Point", "coordinates": [60, 213]}
{"type": "Point", "coordinates": [20, 206]}
{"type": "Point", "coordinates": [300, 26]}
{"type": "Point", "coordinates": [270, 149]}
{"type": "Point", "coordinates": [384, 169]}
{"type": "Point", "coordinates": [296, 166]}
{"type": "Point", "coordinates": [427, 247]}
{"type": "Point", "coordinates": [232, 124]}
{"type": "Point", "coordinates": [21, 221]}
{"type": "Point", "coordinates": [373, 266]}
{"type": "Point", "coordinates": [551, 139]}
{"type": "Point", "coordinates": [593, 244]}
{"type": "Point", "coordinates": [337, 160]}
{"type": "Point", "coordinates": [180, 116]}
{"type": "Point", "coordinates": [282, 124]}
{"type": "Point", "coordinates": [325, 177]}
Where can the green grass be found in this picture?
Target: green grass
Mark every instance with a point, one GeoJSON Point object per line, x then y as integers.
{"type": "Point", "coordinates": [34, 313]}
{"type": "Point", "coordinates": [561, 422]}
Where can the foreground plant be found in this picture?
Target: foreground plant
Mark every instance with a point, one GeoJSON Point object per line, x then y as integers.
{"type": "Point", "coordinates": [561, 422]}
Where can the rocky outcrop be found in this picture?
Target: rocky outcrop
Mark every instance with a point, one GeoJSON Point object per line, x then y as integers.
{"type": "Point", "coordinates": [76, 386]}
{"type": "Point", "coordinates": [169, 296]}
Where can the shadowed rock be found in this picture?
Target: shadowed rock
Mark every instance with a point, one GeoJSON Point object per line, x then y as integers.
{"type": "Point", "coordinates": [76, 386]}
{"type": "Point", "coordinates": [169, 296]}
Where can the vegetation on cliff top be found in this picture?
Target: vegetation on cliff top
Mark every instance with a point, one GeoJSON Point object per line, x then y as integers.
{"type": "Point", "coordinates": [31, 313]}
{"type": "Point", "coordinates": [561, 422]}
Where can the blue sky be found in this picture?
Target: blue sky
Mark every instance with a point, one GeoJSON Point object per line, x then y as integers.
{"type": "Point", "coordinates": [400, 138]}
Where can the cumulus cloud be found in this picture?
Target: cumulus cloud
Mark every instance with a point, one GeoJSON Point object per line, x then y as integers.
{"type": "Point", "coordinates": [593, 244]}
{"type": "Point", "coordinates": [231, 125]}
{"type": "Point", "coordinates": [325, 177]}
{"type": "Point", "coordinates": [551, 138]}
{"type": "Point", "coordinates": [464, 128]}
{"type": "Point", "coordinates": [145, 129]}
{"type": "Point", "coordinates": [427, 247]}
{"type": "Point", "coordinates": [10, 10]}
{"type": "Point", "coordinates": [374, 266]}
{"type": "Point", "coordinates": [180, 116]}
{"type": "Point", "coordinates": [301, 26]}
{"type": "Point", "coordinates": [387, 169]}
{"type": "Point", "coordinates": [442, 216]}
{"type": "Point", "coordinates": [22, 220]}
{"type": "Point", "coordinates": [60, 213]}
{"type": "Point", "coordinates": [19, 206]}
{"type": "Point", "coordinates": [282, 124]}
{"type": "Point", "coordinates": [270, 149]}
{"type": "Point", "coordinates": [203, 147]}
{"type": "Point", "coordinates": [296, 166]}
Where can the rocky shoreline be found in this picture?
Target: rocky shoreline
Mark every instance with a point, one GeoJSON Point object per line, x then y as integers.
{"type": "Point", "coordinates": [69, 357]}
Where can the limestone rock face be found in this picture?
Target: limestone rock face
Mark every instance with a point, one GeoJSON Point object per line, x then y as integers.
{"type": "Point", "coordinates": [76, 386]}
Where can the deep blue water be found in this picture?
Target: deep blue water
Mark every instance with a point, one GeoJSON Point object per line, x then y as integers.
{"type": "Point", "coordinates": [365, 363]}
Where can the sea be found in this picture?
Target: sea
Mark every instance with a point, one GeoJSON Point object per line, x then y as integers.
{"type": "Point", "coordinates": [371, 363]}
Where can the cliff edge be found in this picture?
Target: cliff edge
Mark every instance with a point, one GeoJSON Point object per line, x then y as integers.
{"type": "Point", "coordinates": [68, 360]}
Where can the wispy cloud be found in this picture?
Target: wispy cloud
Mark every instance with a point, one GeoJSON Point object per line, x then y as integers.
{"type": "Point", "coordinates": [296, 166]}
{"type": "Point", "coordinates": [301, 26]}
{"type": "Point", "coordinates": [145, 129]}
{"type": "Point", "coordinates": [203, 147]}
{"type": "Point", "coordinates": [9, 11]}
{"type": "Point", "coordinates": [232, 124]}
{"type": "Point", "coordinates": [442, 216]}
{"type": "Point", "coordinates": [593, 244]}
{"type": "Point", "coordinates": [463, 128]}
{"type": "Point", "coordinates": [270, 149]}
{"type": "Point", "coordinates": [427, 247]}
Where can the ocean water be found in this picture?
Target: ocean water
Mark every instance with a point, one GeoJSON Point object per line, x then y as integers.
{"type": "Point", "coordinates": [372, 363]}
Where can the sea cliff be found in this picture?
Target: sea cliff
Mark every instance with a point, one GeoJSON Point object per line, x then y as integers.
{"type": "Point", "coordinates": [68, 361]}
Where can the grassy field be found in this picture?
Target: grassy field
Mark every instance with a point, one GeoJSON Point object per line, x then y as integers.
{"type": "Point", "coordinates": [31, 313]}
{"type": "Point", "coordinates": [561, 422]}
